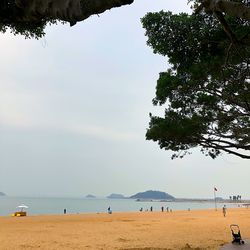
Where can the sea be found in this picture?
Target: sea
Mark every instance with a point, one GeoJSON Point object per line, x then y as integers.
{"type": "Point", "coordinates": [49, 205]}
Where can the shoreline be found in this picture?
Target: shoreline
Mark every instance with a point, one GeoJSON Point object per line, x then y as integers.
{"type": "Point", "coordinates": [146, 211]}
{"type": "Point", "coordinates": [120, 212]}
{"type": "Point", "coordinates": [182, 229]}
{"type": "Point", "coordinates": [38, 206]}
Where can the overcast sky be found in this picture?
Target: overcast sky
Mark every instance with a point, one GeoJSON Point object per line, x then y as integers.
{"type": "Point", "coordinates": [74, 109]}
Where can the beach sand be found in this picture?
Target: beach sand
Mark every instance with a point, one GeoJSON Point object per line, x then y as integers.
{"type": "Point", "coordinates": [198, 229]}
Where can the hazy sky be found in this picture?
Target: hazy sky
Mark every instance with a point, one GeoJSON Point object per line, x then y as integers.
{"type": "Point", "coordinates": [74, 111]}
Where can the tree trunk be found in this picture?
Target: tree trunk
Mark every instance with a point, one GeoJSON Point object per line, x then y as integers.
{"type": "Point", "coordinates": [65, 10]}
{"type": "Point", "coordinates": [231, 8]}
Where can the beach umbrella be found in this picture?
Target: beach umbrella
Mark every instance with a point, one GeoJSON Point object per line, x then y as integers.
{"type": "Point", "coordinates": [22, 207]}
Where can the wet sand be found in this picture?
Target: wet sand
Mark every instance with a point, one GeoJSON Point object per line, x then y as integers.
{"type": "Point", "coordinates": [206, 229]}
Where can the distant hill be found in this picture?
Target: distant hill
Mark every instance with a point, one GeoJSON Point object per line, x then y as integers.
{"type": "Point", "coordinates": [2, 194]}
{"type": "Point", "coordinates": [116, 196]}
{"type": "Point", "coordinates": [153, 195]}
{"type": "Point", "coordinates": [90, 196]}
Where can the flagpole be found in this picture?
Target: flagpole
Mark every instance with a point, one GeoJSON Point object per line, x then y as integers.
{"type": "Point", "coordinates": [215, 204]}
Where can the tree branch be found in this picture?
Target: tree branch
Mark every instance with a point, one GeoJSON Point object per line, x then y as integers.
{"type": "Point", "coordinates": [243, 156]}
{"type": "Point", "coordinates": [231, 8]}
{"type": "Point", "coordinates": [226, 27]}
{"type": "Point", "coordinates": [65, 10]}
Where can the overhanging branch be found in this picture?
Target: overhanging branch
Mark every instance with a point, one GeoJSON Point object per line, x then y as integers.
{"type": "Point", "coordinates": [231, 8]}
{"type": "Point", "coordinates": [71, 10]}
{"type": "Point", "coordinates": [243, 156]}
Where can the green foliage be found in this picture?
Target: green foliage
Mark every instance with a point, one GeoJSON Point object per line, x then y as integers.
{"type": "Point", "coordinates": [28, 30]}
{"type": "Point", "coordinates": [9, 14]}
{"type": "Point", "coordinates": [207, 88]}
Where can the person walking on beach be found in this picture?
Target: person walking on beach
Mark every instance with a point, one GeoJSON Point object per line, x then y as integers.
{"type": "Point", "coordinates": [109, 210]}
{"type": "Point", "coordinates": [162, 209]}
{"type": "Point", "coordinates": [151, 209]}
{"type": "Point", "coordinates": [224, 210]}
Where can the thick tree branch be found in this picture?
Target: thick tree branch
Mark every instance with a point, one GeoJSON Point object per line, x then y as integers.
{"type": "Point", "coordinates": [65, 10]}
{"type": "Point", "coordinates": [243, 156]}
{"type": "Point", "coordinates": [231, 8]}
{"type": "Point", "coordinates": [227, 144]}
{"type": "Point", "coordinates": [226, 27]}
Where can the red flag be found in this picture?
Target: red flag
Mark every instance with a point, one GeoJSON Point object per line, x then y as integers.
{"type": "Point", "coordinates": [215, 189]}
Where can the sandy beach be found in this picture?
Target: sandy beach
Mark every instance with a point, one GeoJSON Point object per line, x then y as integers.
{"type": "Point", "coordinates": [206, 229]}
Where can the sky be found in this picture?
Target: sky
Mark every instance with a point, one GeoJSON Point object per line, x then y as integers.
{"type": "Point", "coordinates": [74, 109]}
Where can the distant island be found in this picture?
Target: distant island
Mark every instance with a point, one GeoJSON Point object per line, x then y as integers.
{"type": "Point", "coordinates": [152, 195]}
{"type": "Point", "coordinates": [90, 196]}
{"type": "Point", "coordinates": [116, 196]}
{"type": "Point", "coordinates": [2, 194]}
{"type": "Point", "coordinates": [148, 195]}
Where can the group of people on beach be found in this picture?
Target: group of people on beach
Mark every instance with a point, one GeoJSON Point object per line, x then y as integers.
{"type": "Point", "coordinates": [224, 210]}
{"type": "Point", "coordinates": [167, 209]}
{"type": "Point", "coordinates": [151, 209]}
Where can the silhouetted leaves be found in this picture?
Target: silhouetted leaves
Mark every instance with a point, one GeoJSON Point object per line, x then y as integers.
{"type": "Point", "coordinates": [207, 89]}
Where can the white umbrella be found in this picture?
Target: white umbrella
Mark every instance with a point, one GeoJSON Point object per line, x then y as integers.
{"type": "Point", "coordinates": [22, 207]}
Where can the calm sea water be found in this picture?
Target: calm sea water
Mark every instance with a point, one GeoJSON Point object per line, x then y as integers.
{"type": "Point", "coordinates": [39, 205]}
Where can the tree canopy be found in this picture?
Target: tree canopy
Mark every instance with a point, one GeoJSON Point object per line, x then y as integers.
{"type": "Point", "coordinates": [30, 17]}
{"type": "Point", "coordinates": [207, 88]}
